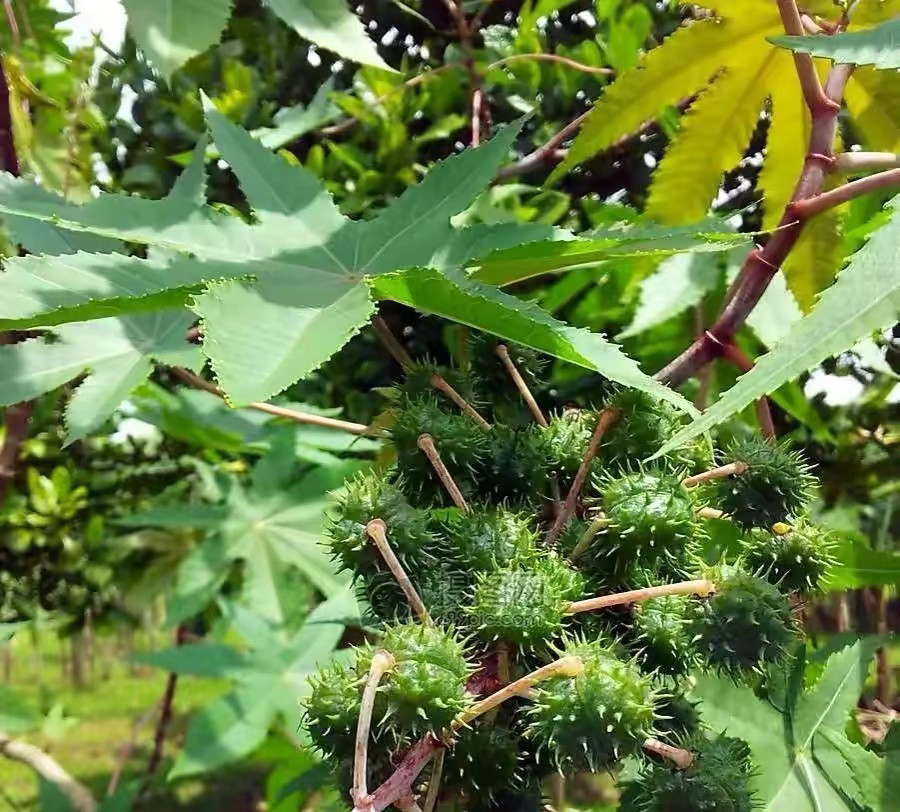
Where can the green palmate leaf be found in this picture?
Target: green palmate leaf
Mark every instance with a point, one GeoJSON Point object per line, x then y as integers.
{"type": "Point", "coordinates": [785, 741]}
{"type": "Point", "coordinates": [679, 283]}
{"type": "Point", "coordinates": [331, 24]}
{"type": "Point", "coordinates": [116, 353]}
{"type": "Point", "coordinates": [456, 297]}
{"type": "Point", "coordinates": [290, 123]}
{"type": "Point", "coordinates": [865, 298]}
{"type": "Point", "coordinates": [170, 32]}
{"type": "Point", "coordinates": [878, 46]}
{"type": "Point", "coordinates": [876, 778]}
{"type": "Point", "coordinates": [269, 681]}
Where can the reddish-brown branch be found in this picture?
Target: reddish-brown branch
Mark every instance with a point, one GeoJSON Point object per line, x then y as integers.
{"type": "Point", "coordinates": [851, 162]}
{"type": "Point", "coordinates": [702, 587]}
{"type": "Point", "coordinates": [815, 97]}
{"type": "Point", "coordinates": [166, 712]}
{"type": "Point", "coordinates": [544, 154]}
{"type": "Point", "coordinates": [680, 757]}
{"type": "Point", "coordinates": [762, 264]}
{"type": "Point", "coordinates": [816, 204]}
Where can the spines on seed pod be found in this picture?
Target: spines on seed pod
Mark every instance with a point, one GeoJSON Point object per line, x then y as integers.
{"type": "Point", "coordinates": [746, 624]}
{"type": "Point", "coordinates": [676, 716]}
{"type": "Point", "coordinates": [482, 540]}
{"type": "Point", "coordinates": [367, 496]}
{"type": "Point", "coordinates": [775, 487]}
{"type": "Point", "coordinates": [493, 378]}
{"type": "Point", "coordinates": [651, 520]}
{"type": "Point", "coordinates": [332, 708]}
{"type": "Point", "coordinates": [645, 423]}
{"type": "Point", "coordinates": [796, 558]}
{"type": "Point", "coordinates": [524, 602]}
{"type": "Point", "coordinates": [567, 439]}
{"type": "Point", "coordinates": [718, 780]}
{"type": "Point", "coordinates": [515, 466]}
{"type": "Point", "coordinates": [426, 686]}
{"type": "Point", "coordinates": [663, 640]}
{"type": "Point", "coordinates": [591, 721]}
{"type": "Point", "coordinates": [418, 384]}
{"type": "Point", "coordinates": [442, 587]}
{"type": "Point", "coordinates": [463, 446]}
{"type": "Point", "coordinates": [485, 761]}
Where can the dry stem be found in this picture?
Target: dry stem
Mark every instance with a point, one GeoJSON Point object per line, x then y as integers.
{"type": "Point", "coordinates": [678, 756]}
{"type": "Point", "coordinates": [606, 419]}
{"type": "Point", "coordinates": [434, 783]}
{"type": "Point", "coordinates": [426, 443]}
{"type": "Point", "coordinates": [721, 472]}
{"type": "Point", "coordinates": [305, 418]}
{"type": "Point", "coordinates": [440, 383]}
{"type": "Point", "coordinates": [702, 587]}
{"type": "Point", "coordinates": [503, 352]}
{"type": "Point", "coordinates": [377, 531]}
{"type": "Point", "coordinates": [382, 662]}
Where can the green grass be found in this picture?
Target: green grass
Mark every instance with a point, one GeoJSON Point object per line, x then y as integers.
{"type": "Point", "coordinates": [106, 712]}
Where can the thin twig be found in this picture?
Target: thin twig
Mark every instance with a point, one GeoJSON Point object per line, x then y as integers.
{"type": "Point", "coordinates": [78, 795]}
{"type": "Point", "coordinates": [806, 70]}
{"type": "Point", "coordinates": [816, 204]}
{"type": "Point", "coordinates": [606, 419]}
{"type": "Point", "coordinates": [434, 783]}
{"type": "Point", "coordinates": [306, 418]}
{"type": "Point", "coordinates": [600, 523]}
{"type": "Point", "coordinates": [720, 472]}
{"type": "Point", "coordinates": [543, 57]}
{"type": "Point", "coordinates": [426, 444]}
{"type": "Point", "coordinates": [735, 356]}
{"type": "Point", "coordinates": [520, 384]}
{"type": "Point", "coordinates": [377, 531]}
{"type": "Point", "coordinates": [166, 706]}
{"type": "Point", "coordinates": [851, 162]}
{"type": "Point", "coordinates": [677, 755]}
{"type": "Point", "coordinates": [440, 383]}
{"type": "Point", "coordinates": [382, 662]}
{"type": "Point", "coordinates": [702, 587]}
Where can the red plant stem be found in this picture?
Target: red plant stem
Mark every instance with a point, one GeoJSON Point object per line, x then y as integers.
{"type": "Point", "coordinates": [811, 206]}
{"type": "Point", "coordinates": [165, 714]}
{"type": "Point", "coordinates": [702, 587]}
{"type": "Point", "coordinates": [680, 757]}
{"type": "Point", "coordinates": [762, 264]}
{"type": "Point", "coordinates": [806, 70]}
{"type": "Point", "coordinates": [734, 355]}
{"type": "Point", "coordinates": [606, 419]}
{"type": "Point", "coordinates": [397, 786]}
{"type": "Point", "coordinates": [545, 153]}
{"type": "Point", "coordinates": [17, 416]}
{"type": "Point", "coordinates": [476, 81]}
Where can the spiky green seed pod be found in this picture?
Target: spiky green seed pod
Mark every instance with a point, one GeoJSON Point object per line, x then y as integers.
{"type": "Point", "coordinates": [486, 761]}
{"type": "Point", "coordinates": [426, 687]}
{"type": "Point", "coordinates": [443, 589]}
{"type": "Point", "coordinates": [795, 559]}
{"type": "Point", "coordinates": [567, 439]}
{"type": "Point", "coordinates": [417, 385]}
{"type": "Point", "coordinates": [717, 781]}
{"type": "Point", "coordinates": [644, 425]}
{"type": "Point", "coordinates": [590, 721]}
{"type": "Point", "coordinates": [367, 496]}
{"type": "Point", "coordinates": [663, 638]}
{"type": "Point", "coordinates": [463, 445]}
{"type": "Point", "coordinates": [332, 709]}
{"type": "Point", "coordinates": [775, 487]}
{"type": "Point", "coordinates": [483, 540]}
{"type": "Point", "coordinates": [515, 467]}
{"type": "Point", "coordinates": [676, 716]}
{"type": "Point", "coordinates": [651, 519]}
{"type": "Point", "coordinates": [523, 603]}
{"type": "Point", "coordinates": [745, 624]}
{"type": "Point", "coordinates": [493, 380]}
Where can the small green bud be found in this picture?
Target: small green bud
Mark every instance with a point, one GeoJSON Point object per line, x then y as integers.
{"type": "Point", "coordinates": [663, 638]}
{"type": "Point", "coordinates": [795, 560]}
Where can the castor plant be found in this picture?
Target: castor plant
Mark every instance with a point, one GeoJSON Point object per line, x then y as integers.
{"type": "Point", "coordinates": [540, 595]}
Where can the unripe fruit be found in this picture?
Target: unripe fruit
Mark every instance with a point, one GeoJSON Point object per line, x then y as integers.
{"type": "Point", "coordinates": [367, 496]}
{"type": "Point", "coordinates": [332, 709]}
{"type": "Point", "coordinates": [523, 603]}
{"type": "Point", "coordinates": [663, 639]}
{"type": "Point", "coordinates": [426, 687]}
{"type": "Point", "coordinates": [483, 540]}
{"type": "Point", "coordinates": [492, 378]}
{"type": "Point", "coordinates": [484, 761]}
{"type": "Point", "coordinates": [775, 487]}
{"type": "Point", "coordinates": [745, 624]}
{"type": "Point", "coordinates": [515, 466]}
{"type": "Point", "coordinates": [443, 590]}
{"type": "Point", "coordinates": [651, 519]}
{"type": "Point", "coordinates": [567, 439]}
{"type": "Point", "coordinates": [717, 781]}
{"type": "Point", "coordinates": [795, 560]}
{"type": "Point", "coordinates": [417, 385]}
{"type": "Point", "coordinates": [463, 445]}
{"type": "Point", "coordinates": [676, 716]}
{"type": "Point", "coordinates": [590, 721]}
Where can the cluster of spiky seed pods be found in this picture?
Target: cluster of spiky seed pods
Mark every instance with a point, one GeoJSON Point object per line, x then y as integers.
{"type": "Point", "coordinates": [544, 594]}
